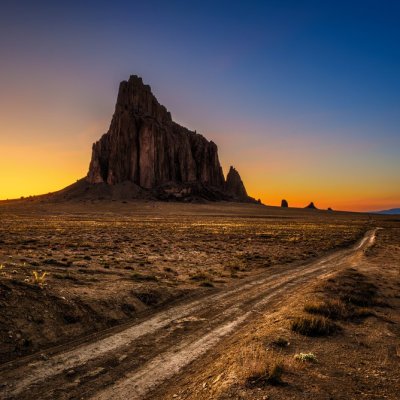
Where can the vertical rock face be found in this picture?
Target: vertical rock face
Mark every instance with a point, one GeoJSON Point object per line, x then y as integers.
{"type": "Point", "coordinates": [234, 185]}
{"type": "Point", "coordinates": [144, 146]}
{"type": "Point", "coordinates": [284, 203]}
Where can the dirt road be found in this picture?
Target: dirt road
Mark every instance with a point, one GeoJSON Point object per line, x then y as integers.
{"type": "Point", "coordinates": [129, 362]}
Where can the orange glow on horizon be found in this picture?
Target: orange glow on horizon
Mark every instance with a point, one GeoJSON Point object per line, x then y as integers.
{"type": "Point", "coordinates": [29, 171]}
{"type": "Point", "coordinates": [299, 172]}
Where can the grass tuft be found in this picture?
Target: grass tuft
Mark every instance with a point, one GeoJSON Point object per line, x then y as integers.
{"type": "Point", "coordinates": [259, 368]}
{"type": "Point", "coordinates": [313, 326]}
{"type": "Point", "coordinates": [334, 309]}
{"type": "Point", "coordinates": [306, 357]}
{"type": "Point", "coordinates": [39, 279]}
{"type": "Point", "coordinates": [352, 288]}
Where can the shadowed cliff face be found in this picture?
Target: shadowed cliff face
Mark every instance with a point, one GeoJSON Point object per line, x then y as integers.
{"type": "Point", "coordinates": [145, 148]}
{"type": "Point", "coordinates": [144, 145]}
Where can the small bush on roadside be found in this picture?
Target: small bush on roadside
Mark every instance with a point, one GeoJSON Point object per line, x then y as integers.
{"type": "Point", "coordinates": [334, 309]}
{"type": "Point", "coordinates": [259, 368]}
{"type": "Point", "coordinates": [305, 357]}
{"type": "Point", "coordinates": [313, 326]}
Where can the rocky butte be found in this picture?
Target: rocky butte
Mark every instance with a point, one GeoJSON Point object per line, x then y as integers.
{"type": "Point", "coordinates": [145, 154]}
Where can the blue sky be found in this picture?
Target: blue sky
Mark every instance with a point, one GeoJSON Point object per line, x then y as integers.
{"type": "Point", "coordinates": [301, 96]}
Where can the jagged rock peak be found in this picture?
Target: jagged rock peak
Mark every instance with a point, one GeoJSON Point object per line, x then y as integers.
{"type": "Point", "coordinates": [136, 97]}
{"type": "Point", "coordinates": [145, 147]}
{"type": "Point", "coordinates": [234, 184]}
{"type": "Point", "coordinates": [284, 203]}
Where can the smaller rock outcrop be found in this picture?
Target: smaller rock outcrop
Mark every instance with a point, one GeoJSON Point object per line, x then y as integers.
{"type": "Point", "coordinates": [234, 185]}
{"type": "Point", "coordinates": [284, 203]}
{"type": "Point", "coordinates": [330, 209]}
{"type": "Point", "coordinates": [312, 206]}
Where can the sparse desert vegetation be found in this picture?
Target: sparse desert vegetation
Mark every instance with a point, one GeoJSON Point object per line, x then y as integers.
{"type": "Point", "coordinates": [305, 357]}
{"type": "Point", "coordinates": [309, 325]}
{"type": "Point", "coordinates": [358, 358]}
{"type": "Point", "coordinates": [257, 368]}
{"type": "Point", "coordinates": [94, 261]}
{"type": "Point", "coordinates": [39, 278]}
{"type": "Point", "coordinates": [75, 269]}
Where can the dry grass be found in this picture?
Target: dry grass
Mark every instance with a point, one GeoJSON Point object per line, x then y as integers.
{"type": "Point", "coordinates": [348, 295]}
{"type": "Point", "coordinates": [257, 367]}
{"type": "Point", "coordinates": [97, 255]}
{"type": "Point", "coordinates": [331, 308]}
{"type": "Point", "coordinates": [305, 357]}
{"type": "Point", "coordinates": [38, 278]}
{"type": "Point", "coordinates": [309, 325]}
{"type": "Point", "coordinates": [360, 363]}
{"type": "Point", "coordinates": [352, 288]}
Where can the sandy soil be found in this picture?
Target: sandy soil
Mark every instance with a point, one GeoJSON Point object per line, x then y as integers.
{"type": "Point", "coordinates": [360, 361]}
{"type": "Point", "coordinates": [107, 263]}
{"type": "Point", "coordinates": [122, 264]}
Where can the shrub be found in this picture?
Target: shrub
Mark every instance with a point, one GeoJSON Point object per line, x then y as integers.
{"type": "Point", "coordinates": [257, 368]}
{"type": "Point", "coordinates": [303, 357]}
{"type": "Point", "coordinates": [313, 326]}
{"type": "Point", "coordinates": [334, 309]}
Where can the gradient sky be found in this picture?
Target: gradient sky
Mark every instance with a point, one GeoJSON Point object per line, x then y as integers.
{"type": "Point", "coordinates": [302, 97]}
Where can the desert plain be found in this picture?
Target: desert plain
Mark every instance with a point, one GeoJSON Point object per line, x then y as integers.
{"type": "Point", "coordinates": [159, 300]}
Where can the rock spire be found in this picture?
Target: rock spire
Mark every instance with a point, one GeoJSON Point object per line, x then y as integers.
{"type": "Point", "coordinates": [146, 147]}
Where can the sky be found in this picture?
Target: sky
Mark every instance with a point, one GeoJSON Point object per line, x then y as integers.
{"type": "Point", "coordinates": [302, 97]}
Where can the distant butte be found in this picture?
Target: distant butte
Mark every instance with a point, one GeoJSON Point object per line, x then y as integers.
{"type": "Point", "coordinates": [145, 154]}
{"type": "Point", "coordinates": [312, 206]}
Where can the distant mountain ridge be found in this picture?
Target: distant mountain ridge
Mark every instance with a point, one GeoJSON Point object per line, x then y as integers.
{"type": "Point", "coordinates": [391, 211]}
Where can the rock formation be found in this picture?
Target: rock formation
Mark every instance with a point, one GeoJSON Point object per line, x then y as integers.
{"type": "Point", "coordinates": [284, 203]}
{"type": "Point", "coordinates": [312, 206]}
{"type": "Point", "coordinates": [145, 147]}
{"type": "Point", "coordinates": [234, 185]}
